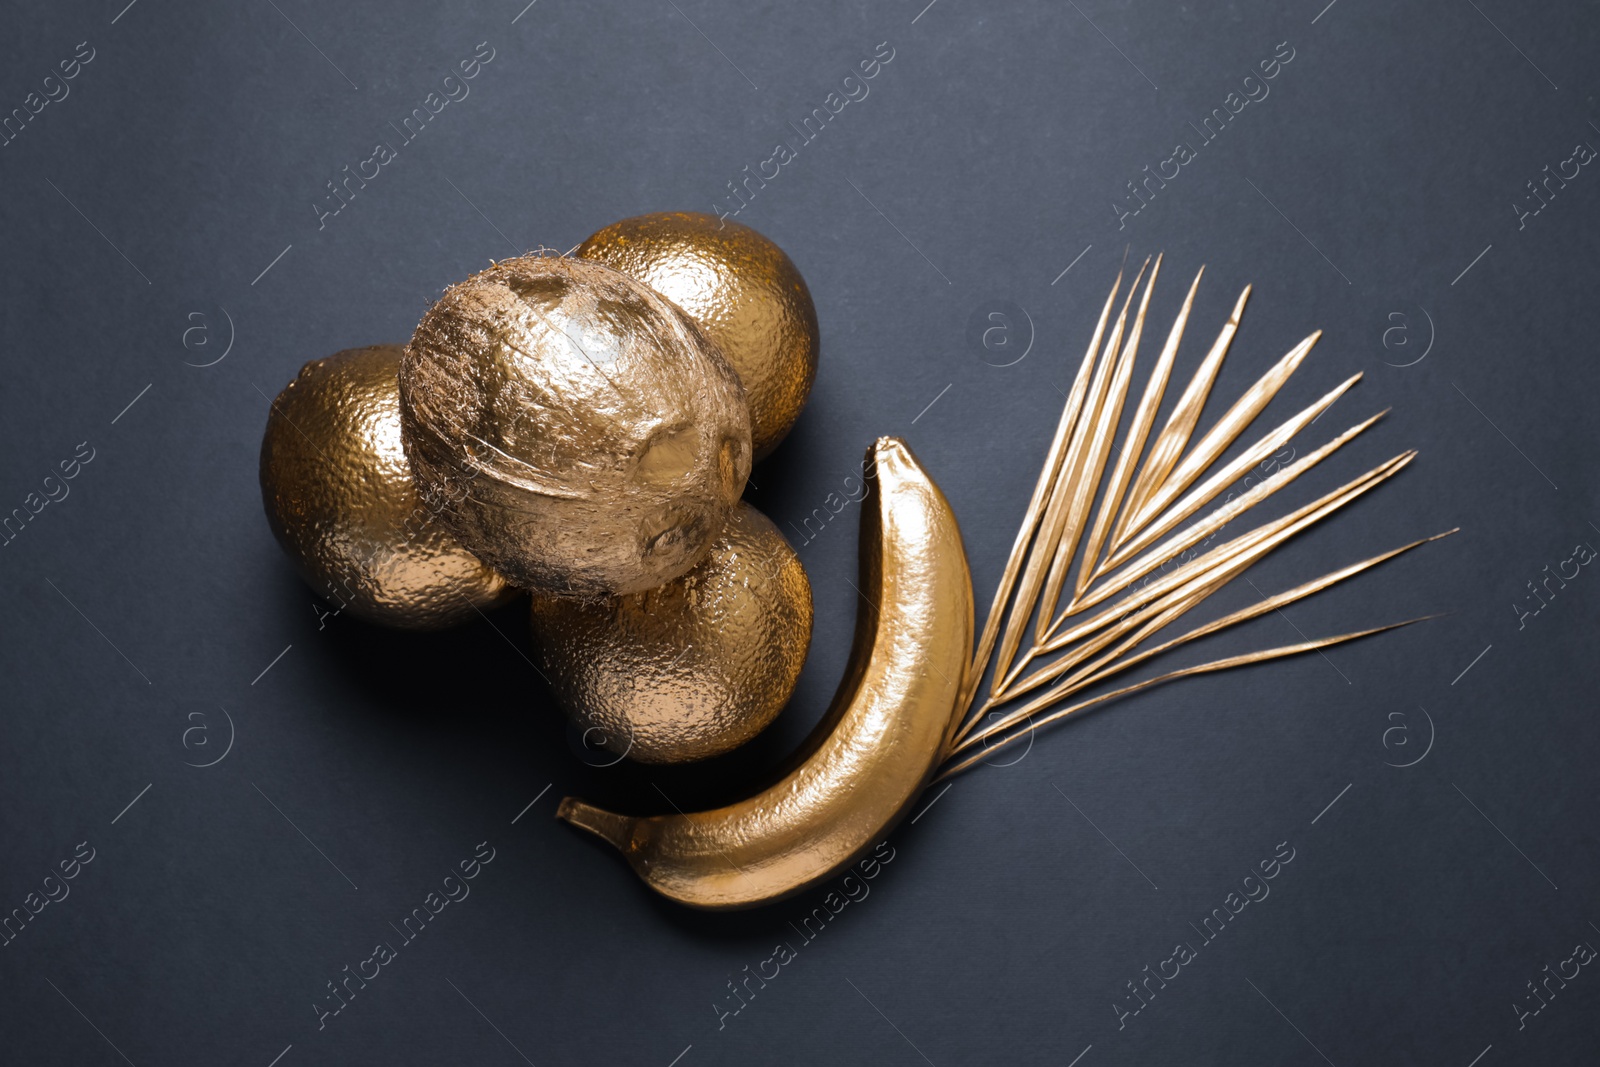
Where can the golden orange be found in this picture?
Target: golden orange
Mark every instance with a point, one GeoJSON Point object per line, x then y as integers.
{"type": "Point", "coordinates": [744, 292]}
{"type": "Point", "coordinates": [692, 669]}
{"type": "Point", "coordinates": [340, 498]}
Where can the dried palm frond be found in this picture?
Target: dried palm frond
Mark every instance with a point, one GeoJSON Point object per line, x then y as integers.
{"type": "Point", "coordinates": [1132, 535]}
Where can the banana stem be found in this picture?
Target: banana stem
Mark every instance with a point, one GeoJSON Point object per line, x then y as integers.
{"type": "Point", "coordinates": [609, 826]}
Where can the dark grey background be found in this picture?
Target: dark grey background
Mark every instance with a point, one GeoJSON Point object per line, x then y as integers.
{"type": "Point", "coordinates": [1372, 190]}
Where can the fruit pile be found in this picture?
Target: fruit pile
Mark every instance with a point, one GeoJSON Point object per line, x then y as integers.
{"type": "Point", "coordinates": [580, 428]}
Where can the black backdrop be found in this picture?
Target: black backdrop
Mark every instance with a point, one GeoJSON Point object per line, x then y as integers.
{"type": "Point", "coordinates": [164, 250]}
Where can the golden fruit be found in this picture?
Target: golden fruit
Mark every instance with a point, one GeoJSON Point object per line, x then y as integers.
{"type": "Point", "coordinates": [875, 748]}
{"type": "Point", "coordinates": [340, 498]}
{"type": "Point", "coordinates": [690, 670]}
{"type": "Point", "coordinates": [576, 429]}
{"type": "Point", "coordinates": [742, 290]}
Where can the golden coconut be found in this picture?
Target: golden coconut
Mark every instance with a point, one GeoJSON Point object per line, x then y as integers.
{"type": "Point", "coordinates": [576, 429]}
{"type": "Point", "coordinates": [692, 669]}
{"type": "Point", "coordinates": [339, 496]}
{"type": "Point", "coordinates": [744, 292]}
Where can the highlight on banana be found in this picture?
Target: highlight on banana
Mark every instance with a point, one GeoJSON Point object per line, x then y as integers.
{"type": "Point", "coordinates": [580, 429]}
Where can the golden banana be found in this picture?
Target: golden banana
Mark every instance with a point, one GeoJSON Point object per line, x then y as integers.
{"type": "Point", "coordinates": [877, 746]}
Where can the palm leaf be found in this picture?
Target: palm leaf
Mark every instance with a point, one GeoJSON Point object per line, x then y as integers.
{"type": "Point", "coordinates": [1139, 528]}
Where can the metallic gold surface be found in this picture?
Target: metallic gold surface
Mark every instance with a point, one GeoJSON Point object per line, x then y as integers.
{"type": "Point", "coordinates": [743, 291]}
{"type": "Point", "coordinates": [692, 669]}
{"type": "Point", "coordinates": [892, 724]}
{"type": "Point", "coordinates": [1091, 649]}
{"type": "Point", "coordinates": [576, 429]}
{"type": "Point", "coordinates": [875, 748]}
{"type": "Point", "coordinates": [340, 498]}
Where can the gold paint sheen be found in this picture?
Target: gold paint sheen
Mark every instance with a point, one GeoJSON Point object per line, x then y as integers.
{"type": "Point", "coordinates": [576, 429]}
{"type": "Point", "coordinates": [742, 290]}
{"type": "Point", "coordinates": [690, 670]}
{"type": "Point", "coordinates": [340, 498]}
